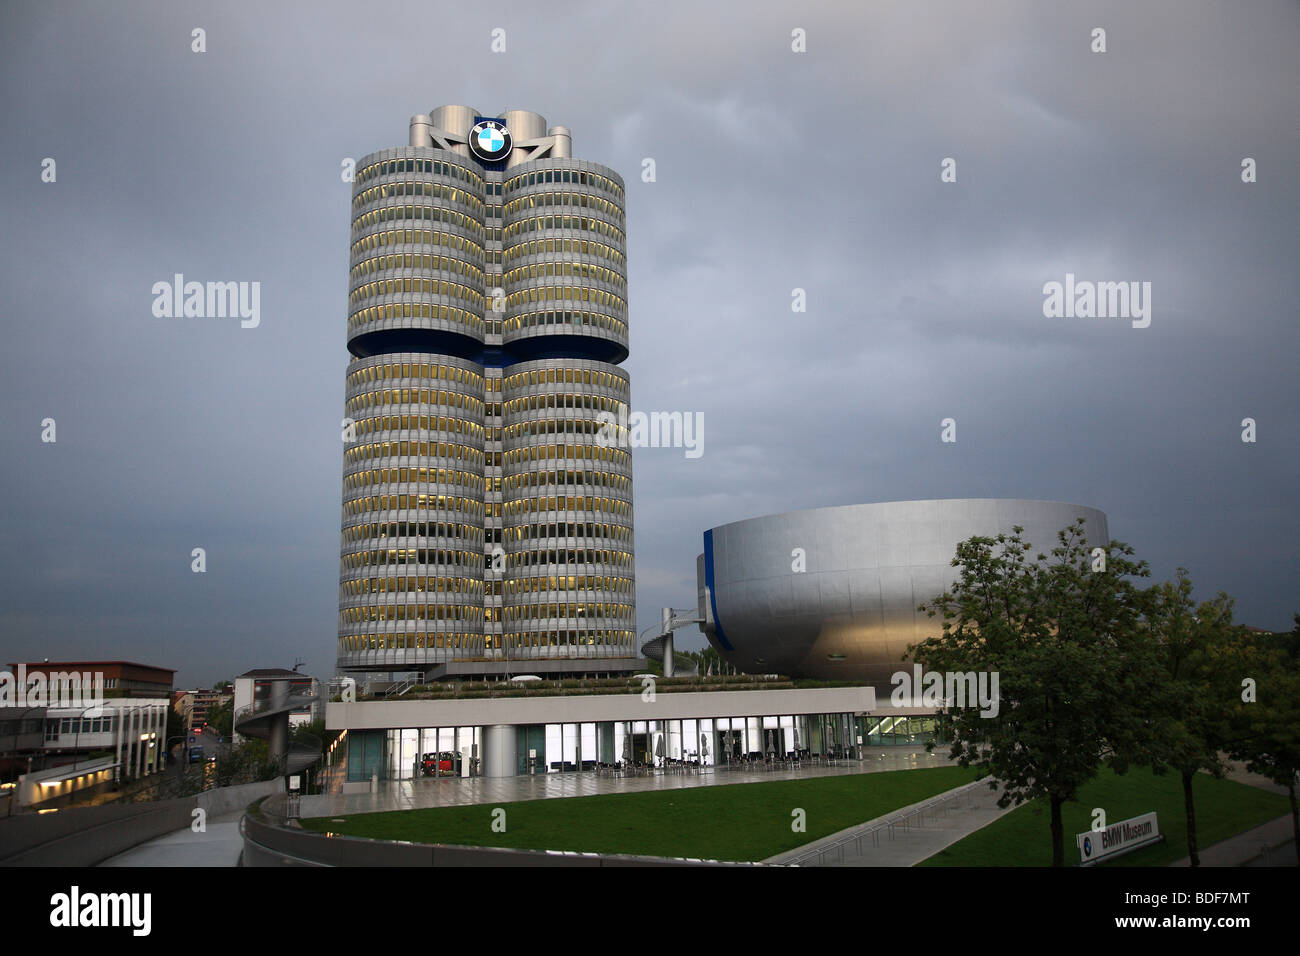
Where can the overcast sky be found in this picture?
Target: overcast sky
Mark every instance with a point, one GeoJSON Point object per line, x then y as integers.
{"type": "Point", "coordinates": [775, 170]}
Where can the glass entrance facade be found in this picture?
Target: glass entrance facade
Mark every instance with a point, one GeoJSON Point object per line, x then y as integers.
{"type": "Point", "coordinates": [633, 745]}
{"type": "Point", "coordinates": [899, 731]}
{"type": "Point", "coordinates": [415, 753]}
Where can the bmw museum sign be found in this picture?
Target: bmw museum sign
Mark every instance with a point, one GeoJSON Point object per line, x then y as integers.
{"type": "Point", "coordinates": [1118, 839]}
{"type": "Point", "coordinates": [489, 140]}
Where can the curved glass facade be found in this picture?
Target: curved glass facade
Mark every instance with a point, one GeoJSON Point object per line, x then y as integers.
{"type": "Point", "coordinates": [567, 508]}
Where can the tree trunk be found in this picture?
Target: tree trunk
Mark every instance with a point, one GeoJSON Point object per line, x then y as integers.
{"type": "Point", "coordinates": [1189, 808]}
{"type": "Point", "coordinates": [1295, 820]}
{"type": "Point", "coordinates": [1058, 833]}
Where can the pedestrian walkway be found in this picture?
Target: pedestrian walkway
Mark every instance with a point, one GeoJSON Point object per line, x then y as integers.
{"type": "Point", "coordinates": [220, 845]}
{"type": "Point", "coordinates": [1281, 855]}
{"type": "Point", "coordinates": [1270, 844]}
{"type": "Point", "coordinates": [462, 791]}
{"type": "Point", "coordinates": [931, 826]}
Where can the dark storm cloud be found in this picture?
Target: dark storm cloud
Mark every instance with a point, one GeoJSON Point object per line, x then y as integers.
{"type": "Point", "coordinates": [775, 170]}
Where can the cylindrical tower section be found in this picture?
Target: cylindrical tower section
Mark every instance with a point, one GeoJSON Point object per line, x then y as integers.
{"type": "Point", "coordinates": [420, 130]}
{"type": "Point", "coordinates": [416, 280]}
{"type": "Point", "coordinates": [458, 120]}
{"type": "Point", "coordinates": [411, 574]}
{"type": "Point", "coordinates": [564, 253]}
{"type": "Point", "coordinates": [524, 125]}
{"type": "Point", "coordinates": [569, 588]}
{"type": "Point", "coordinates": [563, 148]}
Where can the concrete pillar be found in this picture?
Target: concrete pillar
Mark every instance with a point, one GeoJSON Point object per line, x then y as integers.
{"type": "Point", "coordinates": [119, 717]}
{"type": "Point", "coordinates": [142, 745]}
{"type": "Point", "coordinates": [500, 751]}
{"type": "Point", "coordinates": [669, 664]}
{"type": "Point", "coordinates": [278, 742]}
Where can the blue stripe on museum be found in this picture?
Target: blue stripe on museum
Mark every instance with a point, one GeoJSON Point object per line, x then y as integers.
{"type": "Point", "coordinates": [708, 582]}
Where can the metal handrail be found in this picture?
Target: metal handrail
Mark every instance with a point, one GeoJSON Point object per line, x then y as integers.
{"type": "Point", "coordinates": [292, 701]}
{"type": "Point", "coordinates": [397, 690]}
{"type": "Point", "coordinates": [257, 708]}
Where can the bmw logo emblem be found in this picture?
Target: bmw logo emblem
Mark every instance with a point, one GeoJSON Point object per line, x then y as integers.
{"type": "Point", "coordinates": [1087, 846]}
{"type": "Point", "coordinates": [489, 140]}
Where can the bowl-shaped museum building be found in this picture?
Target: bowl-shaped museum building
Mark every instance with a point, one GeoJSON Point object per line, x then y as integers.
{"type": "Point", "coordinates": [832, 593]}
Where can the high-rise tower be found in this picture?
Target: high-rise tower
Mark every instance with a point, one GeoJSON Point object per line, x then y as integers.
{"type": "Point", "coordinates": [487, 515]}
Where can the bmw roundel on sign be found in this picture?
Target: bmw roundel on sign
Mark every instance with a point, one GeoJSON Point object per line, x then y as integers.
{"type": "Point", "coordinates": [489, 140]}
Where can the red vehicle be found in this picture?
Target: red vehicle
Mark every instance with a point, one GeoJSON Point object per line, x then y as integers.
{"type": "Point", "coordinates": [444, 762]}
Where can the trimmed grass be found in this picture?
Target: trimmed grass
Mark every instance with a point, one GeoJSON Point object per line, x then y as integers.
{"type": "Point", "coordinates": [739, 822]}
{"type": "Point", "coordinates": [1023, 837]}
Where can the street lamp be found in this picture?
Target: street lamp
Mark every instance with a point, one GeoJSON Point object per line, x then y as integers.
{"type": "Point", "coordinates": [77, 733]}
{"type": "Point", "coordinates": [168, 742]}
{"type": "Point", "coordinates": [76, 736]}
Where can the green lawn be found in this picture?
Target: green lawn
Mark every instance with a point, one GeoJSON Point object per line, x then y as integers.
{"type": "Point", "coordinates": [1023, 837]}
{"type": "Point", "coordinates": [742, 822]}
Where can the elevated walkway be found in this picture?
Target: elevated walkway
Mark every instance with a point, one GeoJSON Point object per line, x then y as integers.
{"type": "Point", "coordinates": [269, 720]}
{"type": "Point", "coordinates": [654, 649]}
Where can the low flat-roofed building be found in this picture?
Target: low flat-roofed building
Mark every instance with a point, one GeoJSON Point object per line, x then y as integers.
{"type": "Point", "coordinates": [120, 678]}
{"type": "Point", "coordinates": [22, 735]}
{"type": "Point", "coordinates": [63, 715]}
{"type": "Point", "coordinates": [487, 731]}
{"type": "Point", "coordinates": [132, 729]}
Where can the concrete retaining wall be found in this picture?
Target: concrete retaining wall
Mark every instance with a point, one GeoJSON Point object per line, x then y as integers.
{"type": "Point", "coordinates": [270, 845]}
{"type": "Point", "coordinates": [225, 800]}
{"type": "Point", "coordinates": [85, 836]}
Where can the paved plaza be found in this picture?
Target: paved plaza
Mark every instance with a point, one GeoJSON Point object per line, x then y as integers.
{"type": "Point", "coordinates": [463, 791]}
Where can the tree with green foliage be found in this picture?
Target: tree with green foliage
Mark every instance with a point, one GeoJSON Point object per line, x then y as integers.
{"type": "Point", "coordinates": [1190, 705]}
{"type": "Point", "coordinates": [220, 717]}
{"type": "Point", "coordinates": [313, 733]}
{"type": "Point", "coordinates": [1063, 636]}
{"type": "Point", "coordinates": [1266, 713]}
{"type": "Point", "coordinates": [174, 738]}
{"type": "Point", "coordinates": [248, 762]}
